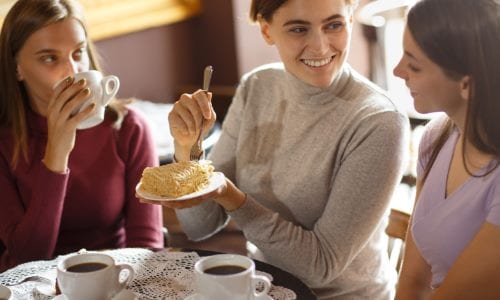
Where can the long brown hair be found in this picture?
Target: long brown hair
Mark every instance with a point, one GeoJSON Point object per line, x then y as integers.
{"type": "Point", "coordinates": [462, 37]}
{"type": "Point", "coordinates": [23, 19]}
{"type": "Point", "coordinates": [267, 8]}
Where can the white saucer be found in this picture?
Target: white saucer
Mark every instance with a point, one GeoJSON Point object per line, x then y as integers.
{"type": "Point", "coordinates": [45, 290]}
{"type": "Point", "coordinates": [6, 292]}
{"type": "Point", "coordinates": [123, 295]}
{"type": "Point", "coordinates": [197, 296]}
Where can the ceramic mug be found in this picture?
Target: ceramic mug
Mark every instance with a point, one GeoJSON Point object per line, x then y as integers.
{"type": "Point", "coordinates": [228, 277]}
{"type": "Point", "coordinates": [5, 293]}
{"type": "Point", "coordinates": [102, 90]}
{"type": "Point", "coordinates": [92, 275]}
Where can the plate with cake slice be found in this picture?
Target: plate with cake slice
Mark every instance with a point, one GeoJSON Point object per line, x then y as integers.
{"type": "Point", "coordinates": [179, 181]}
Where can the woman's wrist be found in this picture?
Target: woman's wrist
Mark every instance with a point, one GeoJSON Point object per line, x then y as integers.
{"type": "Point", "coordinates": [232, 199]}
{"type": "Point", "coordinates": [59, 165]}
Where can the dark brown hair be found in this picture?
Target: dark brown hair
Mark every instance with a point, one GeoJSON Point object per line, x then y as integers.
{"type": "Point", "coordinates": [462, 37]}
{"type": "Point", "coordinates": [267, 8]}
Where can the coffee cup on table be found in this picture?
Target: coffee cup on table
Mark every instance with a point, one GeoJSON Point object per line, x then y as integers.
{"type": "Point", "coordinates": [102, 90]}
{"type": "Point", "coordinates": [92, 275]}
{"type": "Point", "coordinates": [228, 277]}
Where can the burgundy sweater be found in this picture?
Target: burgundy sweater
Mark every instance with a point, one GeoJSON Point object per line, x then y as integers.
{"type": "Point", "coordinates": [92, 205]}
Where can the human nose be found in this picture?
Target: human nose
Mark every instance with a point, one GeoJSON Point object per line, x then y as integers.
{"type": "Point", "coordinates": [319, 42]}
{"type": "Point", "coordinates": [70, 67]}
{"type": "Point", "coordinates": [399, 71]}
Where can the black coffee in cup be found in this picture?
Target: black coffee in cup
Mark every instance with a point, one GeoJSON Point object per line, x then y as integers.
{"type": "Point", "coordinates": [224, 270]}
{"type": "Point", "coordinates": [92, 275]}
{"type": "Point", "coordinates": [86, 267]}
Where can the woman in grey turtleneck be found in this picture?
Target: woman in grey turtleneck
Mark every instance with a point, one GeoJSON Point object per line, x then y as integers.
{"type": "Point", "coordinates": [312, 152]}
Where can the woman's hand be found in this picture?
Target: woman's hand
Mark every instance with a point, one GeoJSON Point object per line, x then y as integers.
{"type": "Point", "coordinates": [68, 96]}
{"type": "Point", "coordinates": [185, 121]}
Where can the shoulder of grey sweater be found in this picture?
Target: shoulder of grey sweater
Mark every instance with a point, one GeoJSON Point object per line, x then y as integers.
{"type": "Point", "coordinates": [376, 109]}
{"type": "Point", "coordinates": [389, 127]}
{"type": "Point", "coordinates": [386, 132]}
{"type": "Point", "coordinates": [368, 93]}
{"type": "Point", "coordinates": [376, 119]}
{"type": "Point", "coordinates": [265, 72]}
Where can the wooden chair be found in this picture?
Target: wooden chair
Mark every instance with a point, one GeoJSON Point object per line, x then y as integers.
{"type": "Point", "coordinates": [396, 230]}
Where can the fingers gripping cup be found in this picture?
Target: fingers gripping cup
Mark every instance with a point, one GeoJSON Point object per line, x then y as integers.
{"type": "Point", "coordinates": [92, 275]}
{"type": "Point", "coordinates": [102, 90]}
{"type": "Point", "coordinates": [228, 277]}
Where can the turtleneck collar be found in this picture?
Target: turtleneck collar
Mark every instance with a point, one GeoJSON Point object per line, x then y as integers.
{"type": "Point", "coordinates": [304, 93]}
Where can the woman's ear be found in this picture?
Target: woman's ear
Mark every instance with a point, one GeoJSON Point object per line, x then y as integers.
{"type": "Point", "coordinates": [264, 30]}
{"type": "Point", "coordinates": [465, 87]}
{"type": "Point", "coordinates": [19, 76]}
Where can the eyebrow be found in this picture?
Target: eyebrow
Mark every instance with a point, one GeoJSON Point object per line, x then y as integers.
{"type": "Point", "coordinates": [302, 22]}
{"type": "Point", "coordinates": [49, 50]}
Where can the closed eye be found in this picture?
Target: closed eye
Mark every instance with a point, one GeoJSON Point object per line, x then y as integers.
{"type": "Point", "coordinates": [413, 68]}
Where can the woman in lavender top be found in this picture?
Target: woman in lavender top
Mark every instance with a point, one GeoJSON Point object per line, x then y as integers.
{"type": "Point", "coordinates": [451, 65]}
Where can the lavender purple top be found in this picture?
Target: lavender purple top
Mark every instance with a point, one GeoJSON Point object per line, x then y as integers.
{"type": "Point", "coordinates": [443, 226]}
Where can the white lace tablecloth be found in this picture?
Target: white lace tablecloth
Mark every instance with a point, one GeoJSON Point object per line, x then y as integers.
{"type": "Point", "coordinates": [158, 275]}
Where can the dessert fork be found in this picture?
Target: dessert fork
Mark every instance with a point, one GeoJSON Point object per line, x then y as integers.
{"type": "Point", "coordinates": [197, 149]}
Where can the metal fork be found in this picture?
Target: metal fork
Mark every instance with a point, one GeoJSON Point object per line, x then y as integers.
{"type": "Point", "coordinates": [197, 149]}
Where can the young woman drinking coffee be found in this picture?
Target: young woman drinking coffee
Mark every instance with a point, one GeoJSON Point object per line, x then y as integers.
{"type": "Point", "coordinates": [64, 189]}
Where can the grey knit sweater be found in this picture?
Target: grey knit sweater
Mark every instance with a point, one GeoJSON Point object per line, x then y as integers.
{"type": "Point", "coordinates": [319, 167]}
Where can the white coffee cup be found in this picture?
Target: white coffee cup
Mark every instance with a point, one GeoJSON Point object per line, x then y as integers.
{"type": "Point", "coordinates": [102, 90]}
{"type": "Point", "coordinates": [5, 293]}
{"type": "Point", "coordinates": [237, 285]}
{"type": "Point", "coordinates": [91, 275]}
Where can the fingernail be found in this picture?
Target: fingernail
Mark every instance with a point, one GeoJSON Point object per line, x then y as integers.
{"type": "Point", "coordinates": [68, 79]}
{"type": "Point", "coordinates": [86, 91]}
{"type": "Point", "coordinates": [81, 81]}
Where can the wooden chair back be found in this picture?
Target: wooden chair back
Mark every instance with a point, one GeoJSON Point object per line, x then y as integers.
{"type": "Point", "coordinates": [396, 230]}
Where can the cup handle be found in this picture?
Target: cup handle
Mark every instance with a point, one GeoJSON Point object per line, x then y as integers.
{"type": "Point", "coordinates": [110, 86]}
{"type": "Point", "coordinates": [130, 275]}
{"type": "Point", "coordinates": [267, 285]}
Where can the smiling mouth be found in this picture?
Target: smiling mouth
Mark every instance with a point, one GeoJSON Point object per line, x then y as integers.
{"type": "Point", "coordinates": [317, 63]}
